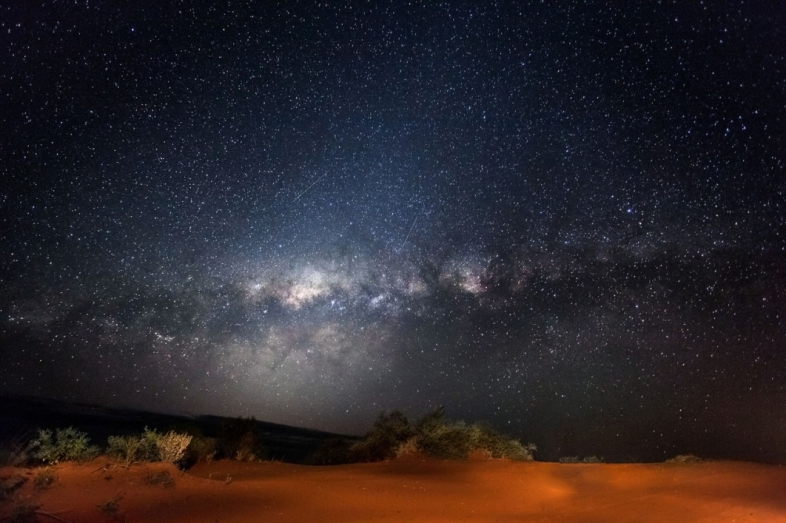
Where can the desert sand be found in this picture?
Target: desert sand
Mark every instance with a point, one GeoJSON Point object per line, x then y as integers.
{"type": "Point", "coordinates": [413, 489]}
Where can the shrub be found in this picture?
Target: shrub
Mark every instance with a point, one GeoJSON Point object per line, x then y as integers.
{"type": "Point", "coordinates": [201, 449]}
{"type": "Point", "coordinates": [446, 441]}
{"type": "Point", "coordinates": [389, 431]}
{"type": "Point", "coordinates": [685, 458]}
{"type": "Point", "coordinates": [432, 421]}
{"type": "Point", "coordinates": [148, 449]}
{"type": "Point", "coordinates": [111, 507]}
{"type": "Point", "coordinates": [44, 479]}
{"type": "Point", "coordinates": [240, 439]}
{"type": "Point", "coordinates": [124, 448]}
{"type": "Point", "coordinates": [408, 447]}
{"type": "Point", "coordinates": [440, 438]}
{"type": "Point", "coordinates": [575, 459]}
{"type": "Point", "coordinates": [499, 446]}
{"type": "Point", "coordinates": [150, 446]}
{"type": "Point", "coordinates": [132, 449]}
{"type": "Point", "coordinates": [435, 436]}
{"type": "Point", "coordinates": [64, 445]}
{"type": "Point", "coordinates": [172, 446]}
{"type": "Point", "coordinates": [160, 479]}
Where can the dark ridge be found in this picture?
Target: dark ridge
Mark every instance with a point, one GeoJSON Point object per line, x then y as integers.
{"type": "Point", "coordinates": [22, 415]}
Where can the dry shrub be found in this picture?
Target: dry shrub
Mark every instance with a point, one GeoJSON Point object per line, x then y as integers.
{"type": "Point", "coordinates": [159, 479]}
{"type": "Point", "coordinates": [435, 436]}
{"type": "Point", "coordinates": [125, 448]}
{"type": "Point", "coordinates": [575, 459]}
{"type": "Point", "coordinates": [389, 431]}
{"type": "Point", "coordinates": [408, 447]}
{"type": "Point", "coordinates": [172, 446]}
{"type": "Point", "coordinates": [111, 507]}
{"type": "Point", "coordinates": [150, 446]}
{"type": "Point", "coordinates": [240, 439]}
{"type": "Point", "coordinates": [685, 458]}
{"type": "Point", "coordinates": [44, 479]}
{"type": "Point", "coordinates": [201, 449]}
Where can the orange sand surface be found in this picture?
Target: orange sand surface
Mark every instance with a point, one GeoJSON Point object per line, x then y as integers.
{"type": "Point", "coordinates": [413, 490]}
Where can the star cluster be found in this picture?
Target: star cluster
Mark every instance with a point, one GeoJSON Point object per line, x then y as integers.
{"type": "Point", "coordinates": [560, 218]}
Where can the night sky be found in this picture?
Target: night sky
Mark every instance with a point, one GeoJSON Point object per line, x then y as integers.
{"type": "Point", "coordinates": [564, 218]}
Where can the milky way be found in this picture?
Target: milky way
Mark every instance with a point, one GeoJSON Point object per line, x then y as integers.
{"type": "Point", "coordinates": [566, 220]}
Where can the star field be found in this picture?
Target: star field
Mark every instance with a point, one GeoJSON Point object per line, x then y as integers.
{"type": "Point", "coordinates": [566, 219]}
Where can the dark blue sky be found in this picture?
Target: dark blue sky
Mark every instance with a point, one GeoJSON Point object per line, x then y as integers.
{"type": "Point", "coordinates": [566, 219]}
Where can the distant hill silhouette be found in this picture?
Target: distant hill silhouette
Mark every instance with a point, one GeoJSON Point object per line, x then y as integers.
{"type": "Point", "coordinates": [22, 415]}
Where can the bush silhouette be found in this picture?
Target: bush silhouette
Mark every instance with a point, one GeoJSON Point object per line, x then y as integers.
{"type": "Point", "coordinates": [240, 439]}
{"type": "Point", "coordinates": [389, 431]}
{"type": "Point", "coordinates": [685, 458]}
{"type": "Point", "coordinates": [575, 459]}
{"type": "Point", "coordinates": [435, 436]}
{"type": "Point", "coordinates": [449, 441]}
{"type": "Point", "coordinates": [201, 449]}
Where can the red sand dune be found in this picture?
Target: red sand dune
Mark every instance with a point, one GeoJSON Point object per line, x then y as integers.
{"type": "Point", "coordinates": [414, 490]}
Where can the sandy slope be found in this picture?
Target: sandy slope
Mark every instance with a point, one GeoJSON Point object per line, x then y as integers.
{"type": "Point", "coordinates": [417, 489]}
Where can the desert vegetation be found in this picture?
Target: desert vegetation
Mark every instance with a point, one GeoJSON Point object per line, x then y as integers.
{"type": "Point", "coordinates": [45, 478]}
{"type": "Point", "coordinates": [576, 459]}
{"type": "Point", "coordinates": [67, 444]}
{"type": "Point", "coordinates": [149, 446]}
{"type": "Point", "coordinates": [685, 458]}
{"type": "Point", "coordinates": [110, 508]}
{"type": "Point", "coordinates": [137, 479]}
{"type": "Point", "coordinates": [238, 439]}
{"type": "Point", "coordinates": [393, 436]}
{"type": "Point", "coordinates": [49, 448]}
{"type": "Point", "coordinates": [159, 479]}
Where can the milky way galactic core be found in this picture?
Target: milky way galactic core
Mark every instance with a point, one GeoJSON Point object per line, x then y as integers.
{"type": "Point", "coordinates": [559, 218]}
